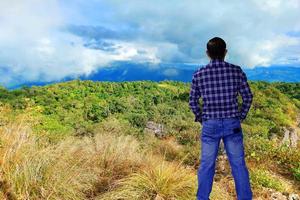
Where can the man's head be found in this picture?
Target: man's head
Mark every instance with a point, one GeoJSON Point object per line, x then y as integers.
{"type": "Point", "coordinates": [216, 48]}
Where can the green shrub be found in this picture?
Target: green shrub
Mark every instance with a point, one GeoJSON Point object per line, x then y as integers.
{"type": "Point", "coordinates": [296, 172]}
{"type": "Point", "coordinates": [264, 178]}
{"type": "Point", "coordinates": [137, 119]}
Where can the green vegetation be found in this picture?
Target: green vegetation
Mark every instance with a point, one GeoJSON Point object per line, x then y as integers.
{"type": "Point", "coordinates": [90, 137]}
{"type": "Point", "coordinates": [296, 172]}
{"type": "Point", "coordinates": [265, 179]}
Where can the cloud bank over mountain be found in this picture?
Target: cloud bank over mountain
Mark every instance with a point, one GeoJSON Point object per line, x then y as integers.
{"type": "Point", "coordinates": [49, 40]}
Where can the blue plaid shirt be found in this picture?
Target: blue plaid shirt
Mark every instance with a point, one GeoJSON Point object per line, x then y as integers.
{"type": "Point", "coordinates": [218, 83]}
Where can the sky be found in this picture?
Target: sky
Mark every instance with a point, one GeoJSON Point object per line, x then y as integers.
{"type": "Point", "coordinates": [50, 40]}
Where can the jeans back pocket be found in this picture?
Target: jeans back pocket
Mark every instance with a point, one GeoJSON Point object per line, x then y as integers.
{"type": "Point", "coordinates": [209, 128]}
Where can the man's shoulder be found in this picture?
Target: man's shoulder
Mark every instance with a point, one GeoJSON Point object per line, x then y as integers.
{"type": "Point", "coordinates": [201, 69]}
{"type": "Point", "coordinates": [234, 66]}
{"type": "Point", "coordinates": [198, 71]}
{"type": "Point", "coordinates": [236, 69]}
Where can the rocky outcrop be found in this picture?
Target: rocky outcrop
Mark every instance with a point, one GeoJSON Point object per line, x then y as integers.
{"type": "Point", "coordinates": [294, 138]}
{"type": "Point", "coordinates": [291, 136]}
{"type": "Point", "coordinates": [278, 196]}
{"type": "Point", "coordinates": [294, 197]}
{"type": "Point", "coordinates": [155, 129]}
{"type": "Point", "coordinates": [275, 195]}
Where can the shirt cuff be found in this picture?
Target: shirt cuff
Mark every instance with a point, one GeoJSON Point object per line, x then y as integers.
{"type": "Point", "coordinates": [198, 119]}
{"type": "Point", "coordinates": [242, 117]}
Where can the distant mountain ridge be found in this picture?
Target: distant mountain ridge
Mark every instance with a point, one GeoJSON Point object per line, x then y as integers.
{"type": "Point", "coordinates": [275, 73]}
{"type": "Point", "coordinates": [183, 72]}
{"type": "Point", "coordinates": [125, 71]}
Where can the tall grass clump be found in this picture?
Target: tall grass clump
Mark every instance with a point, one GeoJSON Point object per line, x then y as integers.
{"type": "Point", "coordinates": [34, 172]}
{"type": "Point", "coordinates": [157, 180]}
{"type": "Point", "coordinates": [75, 168]}
{"type": "Point", "coordinates": [117, 157]}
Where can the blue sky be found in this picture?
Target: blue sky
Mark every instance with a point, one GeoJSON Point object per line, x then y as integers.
{"type": "Point", "coordinates": [49, 40]}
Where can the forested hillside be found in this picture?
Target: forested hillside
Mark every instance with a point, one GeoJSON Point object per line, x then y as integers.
{"type": "Point", "coordinates": [130, 140]}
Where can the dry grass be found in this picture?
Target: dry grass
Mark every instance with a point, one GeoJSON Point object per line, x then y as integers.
{"type": "Point", "coordinates": [85, 168]}
{"type": "Point", "coordinates": [106, 166]}
{"type": "Point", "coordinates": [169, 148]}
{"type": "Point", "coordinates": [158, 180]}
{"type": "Point", "coordinates": [72, 169]}
{"type": "Point", "coordinates": [219, 192]}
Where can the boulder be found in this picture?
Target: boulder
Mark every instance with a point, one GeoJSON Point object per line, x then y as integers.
{"type": "Point", "coordinates": [294, 197]}
{"type": "Point", "coordinates": [278, 196]}
{"type": "Point", "coordinates": [155, 129]}
{"type": "Point", "coordinates": [290, 137]}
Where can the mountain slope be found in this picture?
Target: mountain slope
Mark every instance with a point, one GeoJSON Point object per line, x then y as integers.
{"type": "Point", "coordinates": [87, 109]}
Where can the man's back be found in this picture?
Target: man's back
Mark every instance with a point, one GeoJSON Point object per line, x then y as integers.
{"type": "Point", "coordinates": [218, 83]}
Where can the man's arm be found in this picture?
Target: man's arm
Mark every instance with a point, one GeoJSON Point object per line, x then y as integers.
{"type": "Point", "coordinates": [194, 99]}
{"type": "Point", "coordinates": [247, 96]}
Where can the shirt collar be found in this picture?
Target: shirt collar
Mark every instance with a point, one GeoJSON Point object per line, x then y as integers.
{"type": "Point", "coordinates": [216, 61]}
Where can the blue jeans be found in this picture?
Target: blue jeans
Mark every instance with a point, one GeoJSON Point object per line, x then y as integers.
{"type": "Point", "coordinates": [230, 130]}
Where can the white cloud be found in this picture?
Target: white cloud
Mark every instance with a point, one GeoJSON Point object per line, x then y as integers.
{"type": "Point", "coordinates": [256, 31]}
{"type": "Point", "coordinates": [33, 46]}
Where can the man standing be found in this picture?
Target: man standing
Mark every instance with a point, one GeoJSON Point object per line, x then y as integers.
{"type": "Point", "coordinates": [218, 83]}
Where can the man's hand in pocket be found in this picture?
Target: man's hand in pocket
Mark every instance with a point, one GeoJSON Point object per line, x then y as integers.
{"type": "Point", "coordinates": [198, 119]}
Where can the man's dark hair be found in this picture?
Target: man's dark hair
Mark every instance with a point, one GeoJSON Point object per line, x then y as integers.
{"type": "Point", "coordinates": [216, 48]}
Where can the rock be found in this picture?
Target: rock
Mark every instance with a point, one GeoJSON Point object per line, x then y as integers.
{"type": "Point", "coordinates": [222, 166]}
{"type": "Point", "coordinates": [294, 138]}
{"type": "Point", "coordinates": [290, 137]}
{"type": "Point", "coordinates": [278, 196]}
{"type": "Point", "coordinates": [294, 197]}
{"type": "Point", "coordinates": [286, 137]}
{"type": "Point", "coordinates": [155, 129]}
